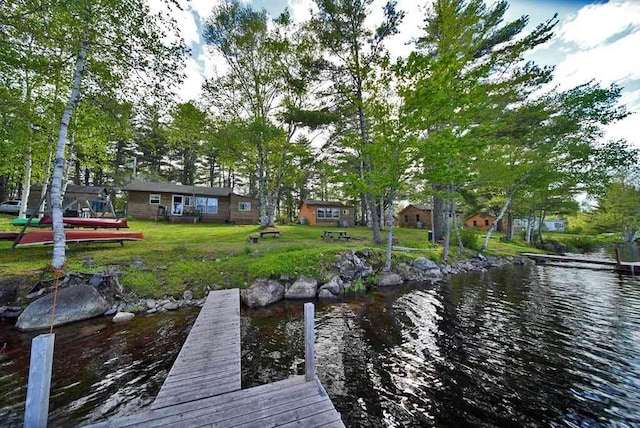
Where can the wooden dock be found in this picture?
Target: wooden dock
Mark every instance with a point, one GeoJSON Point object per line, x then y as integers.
{"type": "Point", "coordinates": [203, 386]}
{"type": "Point", "coordinates": [632, 268]}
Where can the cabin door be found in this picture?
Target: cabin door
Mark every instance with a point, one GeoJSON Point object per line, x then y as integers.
{"type": "Point", "coordinates": [177, 205]}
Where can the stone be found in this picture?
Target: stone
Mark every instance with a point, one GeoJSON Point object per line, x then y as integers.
{"type": "Point", "coordinates": [36, 294]}
{"type": "Point", "coordinates": [151, 303]}
{"type": "Point", "coordinates": [10, 312]}
{"type": "Point", "coordinates": [138, 264]}
{"type": "Point", "coordinates": [88, 262]}
{"type": "Point", "coordinates": [75, 303]}
{"type": "Point", "coordinates": [262, 293]}
{"type": "Point", "coordinates": [325, 294]}
{"type": "Point", "coordinates": [365, 254]}
{"type": "Point", "coordinates": [123, 317]}
{"type": "Point", "coordinates": [390, 279]}
{"type": "Point", "coordinates": [96, 279]}
{"type": "Point", "coordinates": [171, 306]}
{"type": "Point", "coordinates": [112, 310]}
{"type": "Point", "coordinates": [152, 311]}
{"type": "Point", "coordinates": [303, 288]}
{"type": "Point", "coordinates": [187, 295]}
{"type": "Point", "coordinates": [335, 285]}
{"type": "Point", "coordinates": [423, 263]}
{"type": "Point", "coordinates": [8, 293]}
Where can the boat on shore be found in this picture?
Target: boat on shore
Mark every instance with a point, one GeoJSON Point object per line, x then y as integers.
{"type": "Point", "coordinates": [630, 268]}
{"type": "Point", "coordinates": [45, 237]}
{"type": "Point", "coordinates": [96, 223]}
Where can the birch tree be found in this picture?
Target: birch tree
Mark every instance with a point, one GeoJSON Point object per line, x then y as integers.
{"type": "Point", "coordinates": [107, 40]}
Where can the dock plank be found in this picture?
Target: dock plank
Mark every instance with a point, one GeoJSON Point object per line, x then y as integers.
{"type": "Point", "coordinates": [203, 386]}
{"type": "Point", "coordinates": [212, 347]}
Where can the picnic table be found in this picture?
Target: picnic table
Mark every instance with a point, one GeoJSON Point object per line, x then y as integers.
{"type": "Point", "coordinates": [274, 232]}
{"type": "Point", "coordinates": [330, 234]}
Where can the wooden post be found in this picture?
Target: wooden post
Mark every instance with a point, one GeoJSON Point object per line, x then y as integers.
{"type": "Point", "coordinates": [309, 339]}
{"type": "Point", "coordinates": [37, 405]}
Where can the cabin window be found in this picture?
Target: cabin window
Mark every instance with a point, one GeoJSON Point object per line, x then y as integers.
{"type": "Point", "coordinates": [417, 217]}
{"type": "Point", "coordinates": [328, 213]}
{"type": "Point", "coordinates": [475, 223]}
{"type": "Point", "coordinates": [345, 212]}
{"type": "Point", "coordinates": [188, 201]}
{"type": "Point", "coordinates": [212, 205]}
{"type": "Point", "coordinates": [244, 206]}
{"type": "Point", "coordinates": [207, 205]}
{"type": "Point", "coordinates": [486, 222]}
{"type": "Point", "coordinates": [406, 219]}
{"type": "Point", "coordinates": [154, 199]}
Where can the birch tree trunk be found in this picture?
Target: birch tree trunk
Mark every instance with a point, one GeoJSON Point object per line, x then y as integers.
{"type": "Point", "coordinates": [495, 223]}
{"type": "Point", "coordinates": [26, 186]}
{"type": "Point", "coordinates": [58, 164]}
{"type": "Point", "coordinates": [387, 263]}
{"type": "Point", "coordinates": [456, 228]}
{"type": "Point", "coordinates": [447, 229]}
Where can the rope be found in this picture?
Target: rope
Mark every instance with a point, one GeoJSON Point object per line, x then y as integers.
{"type": "Point", "coordinates": [57, 273]}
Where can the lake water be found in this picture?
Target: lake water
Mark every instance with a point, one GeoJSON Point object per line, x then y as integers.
{"type": "Point", "coordinates": [525, 346]}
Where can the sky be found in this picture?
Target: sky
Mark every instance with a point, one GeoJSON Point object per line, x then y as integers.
{"type": "Point", "coordinates": [595, 40]}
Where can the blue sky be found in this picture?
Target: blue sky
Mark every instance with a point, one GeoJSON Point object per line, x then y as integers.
{"type": "Point", "coordinates": [597, 40]}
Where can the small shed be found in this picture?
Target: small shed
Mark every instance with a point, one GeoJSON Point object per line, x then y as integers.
{"type": "Point", "coordinates": [176, 202]}
{"type": "Point", "coordinates": [415, 215]}
{"type": "Point", "coordinates": [482, 221]}
{"type": "Point", "coordinates": [326, 213]}
{"type": "Point", "coordinates": [76, 200]}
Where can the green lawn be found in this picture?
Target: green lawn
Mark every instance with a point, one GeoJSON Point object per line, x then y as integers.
{"type": "Point", "coordinates": [194, 256]}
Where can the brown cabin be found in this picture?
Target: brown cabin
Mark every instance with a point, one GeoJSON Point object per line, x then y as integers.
{"type": "Point", "coordinates": [482, 221]}
{"type": "Point", "coordinates": [326, 213]}
{"type": "Point", "coordinates": [76, 200]}
{"type": "Point", "coordinates": [175, 202]}
{"type": "Point", "coordinates": [415, 215]}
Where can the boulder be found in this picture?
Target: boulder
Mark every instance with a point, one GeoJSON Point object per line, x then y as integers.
{"type": "Point", "coordinates": [123, 317]}
{"type": "Point", "coordinates": [325, 294]}
{"type": "Point", "coordinates": [171, 306]}
{"type": "Point", "coordinates": [74, 303]}
{"type": "Point", "coordinates": [8, 293]}
{"type": "Point", "coordinates": [335, 285]}
{"type": "Point", "coordinates": [151, 303]}
{"type": "Point", "coordinates": [423, 263]}
{"type": "Point", "coordinates": [303, 288]}
{"type": "Point", "coordinates": [187, 295]}
{"type": "Point", "coordinates": [390, 279]}
{"type": "Point", "coordinates": [262, 293]}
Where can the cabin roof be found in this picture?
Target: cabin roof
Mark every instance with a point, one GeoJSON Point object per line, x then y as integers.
{"type": "Point", "coordinates": [138, 185]}
{"type": "Point", "coordinates": [325, 203]}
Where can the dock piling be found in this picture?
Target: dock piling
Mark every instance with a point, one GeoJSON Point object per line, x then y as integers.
{"type": "Point", "coordinates": [39, 386]}
{"type": "Point", "coordinates": [309, 340]}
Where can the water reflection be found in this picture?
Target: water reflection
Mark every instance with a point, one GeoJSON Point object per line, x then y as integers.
{"type": "Point", "coordinates": [516, 346]}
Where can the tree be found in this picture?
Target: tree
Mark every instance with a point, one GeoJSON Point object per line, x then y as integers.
{"type": "Point", "coordinates": [107, 41]}
{"type": "Point", "coordinates": [353, 51]}
{"type": "Point", "coordinates": [186, 133]}
{"type": "Point", "coordinates": [619, 210]}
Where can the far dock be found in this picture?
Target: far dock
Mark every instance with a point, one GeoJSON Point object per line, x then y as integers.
{"type": "Point", "coordinates": [632, 268]}
{"type": "Point", "coordinates": [203, 386]}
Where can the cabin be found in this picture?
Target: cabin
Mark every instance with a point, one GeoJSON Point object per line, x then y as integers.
{"type": "Point", "coordinates": [326, 213]}
{"type": "Point", "coordinates": [481, 221]}
{"type": "Point", "coordinates": [418, 216]}
{"type": "Point", "coordinates": [77, 201]}
{"type": "Point", "coordinates": [179, 203]}
{"type": "Point", "coordinates": [551, 225]}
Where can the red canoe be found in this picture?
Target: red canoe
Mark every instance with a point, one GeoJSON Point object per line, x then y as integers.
{"type": "Point", "coordinates": [8, 236]}
{"type": "Point", "coordinates": [111, 223]}
{"type": "Point", "coordinates": [44, 237]}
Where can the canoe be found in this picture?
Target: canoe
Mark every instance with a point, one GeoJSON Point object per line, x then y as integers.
{"type": "Point", "coordinates": [45, 237]}
{"type": "Point", "coordinates": [22, 221]}
{"type": "Point", "coordinates": [106, 223]}
{"type": "Point", "coordinates": [8, 236]}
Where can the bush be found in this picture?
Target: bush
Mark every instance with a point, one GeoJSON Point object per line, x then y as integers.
{"type": "Point", "coordinates": [469, 239]}
{"type": "Point", "coordinates": [583, 244]}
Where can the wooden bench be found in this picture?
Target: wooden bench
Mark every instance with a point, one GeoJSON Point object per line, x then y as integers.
{"type": "Point", "coordinates": [252, 239]}
{"type": "Point", "coordinates": [329, 234]}
{"type": "Point", "coordinates": [275, 233]}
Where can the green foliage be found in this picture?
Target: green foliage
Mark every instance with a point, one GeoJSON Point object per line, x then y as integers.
{"type": "Point", "coordinates": [469, 239]}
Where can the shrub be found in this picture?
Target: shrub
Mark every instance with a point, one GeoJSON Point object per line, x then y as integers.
{"type": "Point", "coordinates": [469, 239]}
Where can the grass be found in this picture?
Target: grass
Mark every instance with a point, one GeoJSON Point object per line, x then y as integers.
{"type": "Point", "coordinates": [178, 257]}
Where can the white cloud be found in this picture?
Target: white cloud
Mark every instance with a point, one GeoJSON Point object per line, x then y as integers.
{"type": "Point", "coordinates": [615, 62]}
{"type": "Point", "coordinates": [191, 87]}
{"type": "Point", "coordinates": [594, 24]}
{"type": "Point", "coordinates": [203, 7]}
